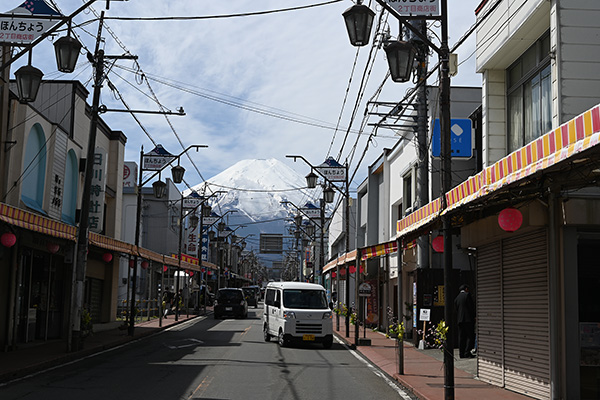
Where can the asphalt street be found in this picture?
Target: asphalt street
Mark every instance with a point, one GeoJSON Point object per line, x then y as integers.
{"type": "Point", "coordinates": [211, 359]}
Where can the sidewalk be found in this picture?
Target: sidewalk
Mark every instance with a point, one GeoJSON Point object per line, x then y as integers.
{"type": "Point", "coordinates": [424, 369]}
{"type": "Point", "coordinates": [34, 357]}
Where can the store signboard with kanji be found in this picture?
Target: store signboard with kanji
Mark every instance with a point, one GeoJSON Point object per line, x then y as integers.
{"type": "Point", "coordinates": [96, 218]}
{"type": "Point", "coordinates": [20, 26]}
{"type": "Point", "coordinates": [415, 7]}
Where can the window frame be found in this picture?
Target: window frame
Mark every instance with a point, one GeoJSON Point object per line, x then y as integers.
{"type": "Point", "coordinates": [518, 88]}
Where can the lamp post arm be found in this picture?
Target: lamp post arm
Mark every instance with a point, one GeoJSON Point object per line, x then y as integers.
{"type": "Point", "coordinates": [300, 210]}
{"type": "Point", "coordinates": [177, 157]}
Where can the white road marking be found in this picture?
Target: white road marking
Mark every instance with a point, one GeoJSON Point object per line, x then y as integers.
{"type": "Point", "coordinates": [376, 371]}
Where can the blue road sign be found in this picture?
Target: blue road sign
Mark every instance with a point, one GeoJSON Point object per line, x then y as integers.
{"type": "Point", "coordinates": [461, 136]}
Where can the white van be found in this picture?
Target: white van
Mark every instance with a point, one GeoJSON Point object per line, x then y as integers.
{"type": "Point", "coordinates": [297, 311]}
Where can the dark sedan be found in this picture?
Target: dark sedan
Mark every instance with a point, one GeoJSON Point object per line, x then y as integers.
{"type": "Point", "coordinates": [230, 302]}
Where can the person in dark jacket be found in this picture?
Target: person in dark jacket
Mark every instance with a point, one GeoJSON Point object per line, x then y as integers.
{"type": "Point", "coordinates": [465, 315]}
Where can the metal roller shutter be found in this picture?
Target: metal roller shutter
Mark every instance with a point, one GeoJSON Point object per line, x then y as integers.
{"type": "Point", "coordinates": [526, 315]}
{"type": "Point", "coordinates": [513, 314]}
{"type": "Point", "coordinates": [489, 314]}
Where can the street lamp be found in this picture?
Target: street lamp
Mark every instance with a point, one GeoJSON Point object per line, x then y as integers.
{"type": "Point", "coordinates": [28, 80]}
{"type": "Point", "coordinates": [359, 20]}
{"type": "Point", "coordinates": [445, 154]}
{"type": "Point", "coordinates": [67, 50]}
{"type": "Point", "coordinates": [159, 189]}
{"type": "Point", "coordinates": [400, 56]}
{"type": "Point", "coordinates": [328, 195]}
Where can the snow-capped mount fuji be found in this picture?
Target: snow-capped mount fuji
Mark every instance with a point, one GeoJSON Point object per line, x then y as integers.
{"type": "Point", "coordinates": [256, 188]}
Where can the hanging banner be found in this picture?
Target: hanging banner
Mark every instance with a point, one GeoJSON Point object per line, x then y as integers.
{"type": "Point", "coordinates": [332, 170]}
{"type": "Point", "coordinates": [26, 23]}
{"type": "Point", "coordinates": [156, 159]}
{"type": "Point", "coordinates": [415, 7]}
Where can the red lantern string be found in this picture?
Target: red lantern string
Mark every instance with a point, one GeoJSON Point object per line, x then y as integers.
{"type": "Point", "coordinates": [438, 244]}
{"type": "Point", "coordinates": [510, 219]}
{"type": "Point", "coordinates": [8, 239]}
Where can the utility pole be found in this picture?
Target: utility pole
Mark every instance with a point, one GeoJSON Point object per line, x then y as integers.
{"type": "Point", "coordinates": [82, 235]}
{"type": "Point", "coordinates": [422, 178]}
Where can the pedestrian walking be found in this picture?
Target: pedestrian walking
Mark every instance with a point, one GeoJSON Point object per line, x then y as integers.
{"type": "Point", "coordinates": [465, 315]}
{"type": "Point", "coordinates": [167, 302]}
{"type": "Point", "coordinates": [178, 302]}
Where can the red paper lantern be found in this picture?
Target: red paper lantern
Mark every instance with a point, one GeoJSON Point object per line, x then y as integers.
{"type": "Point", "coordinates": [510, 219]}
{"type": "Point", "coordinates": [203, 270]}
{"type": "Point", "coordinates": [8, 239]}
{"type": "Point", "coordinates": [343, 272]}
{"type": "Point", "coordinates": [107, 257]}
{"type": "Point", "coordinates": [145, 264]}
{"type": "Point", "coordinates": [131, 263]}
{"type": "Point", "coordinates": [352, 269]}
{"type": "Point", "coordinates": [191, 273]}
{"type": "Point", "coordinates": [52, 247]}
{"type": "Point", "coordinates": [333, 274]}
{"type": "Point", "coordinates": [362, 269]}
{"type": "Point", "coordinates": [165, 268]}
{"type": "Point", "coordinates": [438, 244]}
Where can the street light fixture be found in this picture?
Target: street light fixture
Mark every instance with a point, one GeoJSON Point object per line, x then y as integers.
{"type": "Point", "coordinates": [159, 188]}
{"type": "Point", "coordinates": [311, 180]}
{"type": "Point", "coordinates": [359, 20]}
{"type": "Point", "coordinates": [400, 56]}
{"type": "Point", "coordinates": [28, 80]}
{"type": "Point", "coordinates": [67, 50]}
{"type": "Point", "coordinates": [328, 194]}
{"type": "Point", "coordinates": [177, 172]}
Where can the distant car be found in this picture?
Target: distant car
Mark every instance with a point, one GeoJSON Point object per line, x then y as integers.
{"type": "Point", "coordinates": [252, 295]}
{"type": "Point", "coordinates": [230, 302]}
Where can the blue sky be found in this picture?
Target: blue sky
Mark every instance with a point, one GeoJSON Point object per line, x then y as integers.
{"type": "Point", "coordinates": [252, 86]}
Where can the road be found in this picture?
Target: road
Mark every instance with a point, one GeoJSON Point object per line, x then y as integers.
{"type": "Point", "coordinates": [210, 359]}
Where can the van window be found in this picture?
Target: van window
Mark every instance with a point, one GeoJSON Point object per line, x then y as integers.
{"type": "Point", "coordinates": [270, 297]}
{"type": "Point", "coordinates": [304, 299]}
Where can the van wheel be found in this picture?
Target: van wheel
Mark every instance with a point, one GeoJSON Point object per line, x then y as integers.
{"type": "Point", "coordinates": [281, 340]}
{"type": "Point", "coordinates": [266, 334]}
{"type": "Point", "coordinates": [328, 343]}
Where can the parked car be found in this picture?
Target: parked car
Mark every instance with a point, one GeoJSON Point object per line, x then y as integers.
{"type": "Point", "coordinates": [297, 312]}
{"type": "Point", "coordinates": [230, 302]}
{"type": "Point", "coordinates": [252, 295]}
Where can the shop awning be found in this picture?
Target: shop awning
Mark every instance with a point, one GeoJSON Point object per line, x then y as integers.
{"type": "Point", "coordinates": [37, 223]}
{"type": "Point", "coordinates": [571, 138]}
{"type": "Point", "coordinates": [341, 260]}
{"type": "Point", "coordinates": [379, 250]}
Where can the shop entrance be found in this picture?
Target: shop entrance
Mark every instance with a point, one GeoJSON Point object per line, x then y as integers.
{"type": "Point", "coordinates": [588, 277]}
{"type": "Point", "coordinates": [40, 297]}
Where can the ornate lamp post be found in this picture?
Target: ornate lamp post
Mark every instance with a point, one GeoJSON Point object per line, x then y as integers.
{"type": "Point", "coordinates": [159, 189]}
{"type": "Point", "coordinates": [354, 19]}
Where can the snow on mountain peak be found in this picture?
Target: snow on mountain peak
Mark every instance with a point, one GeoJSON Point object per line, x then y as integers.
{"type": "Point", "coordinates": [256, 187]}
